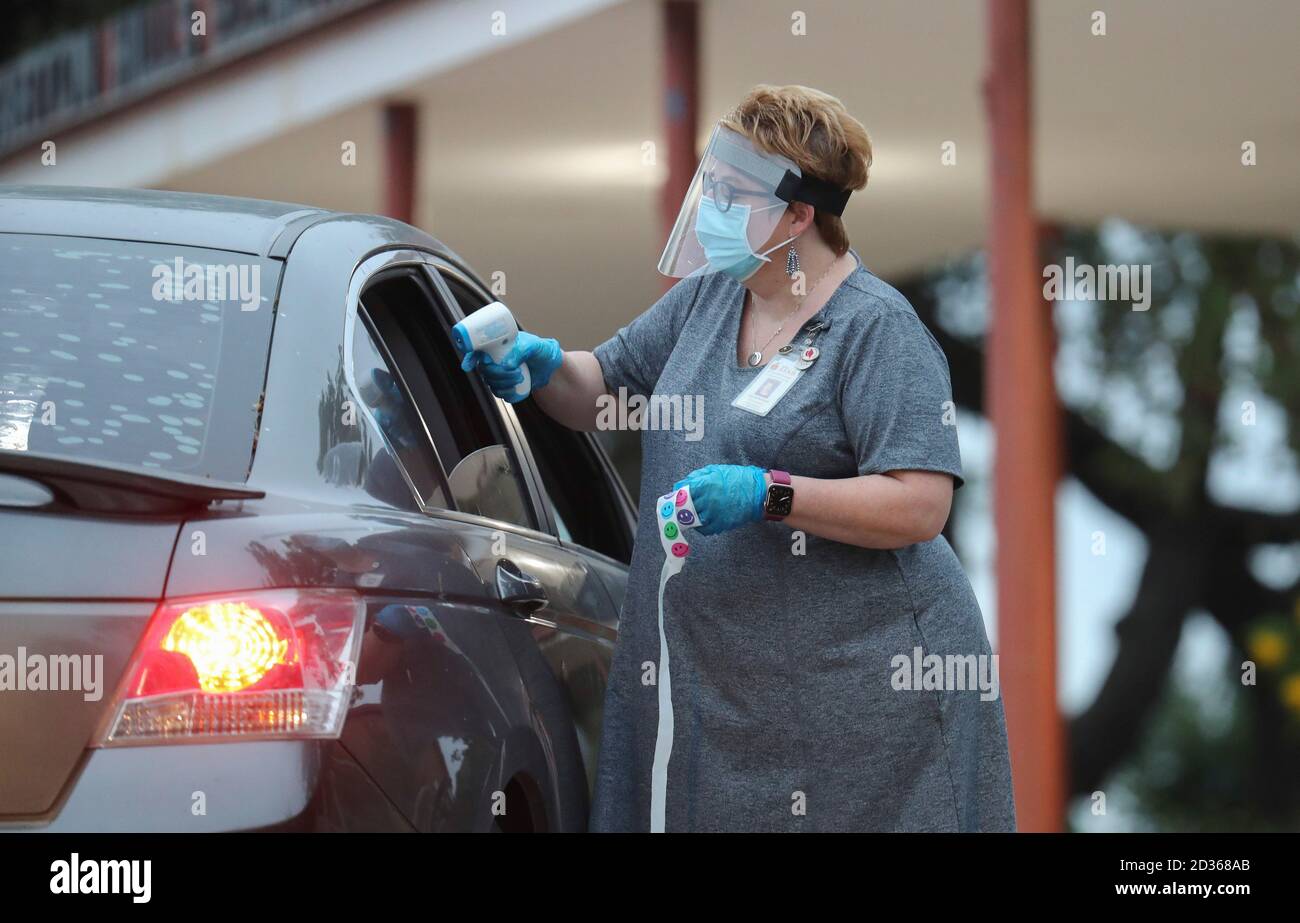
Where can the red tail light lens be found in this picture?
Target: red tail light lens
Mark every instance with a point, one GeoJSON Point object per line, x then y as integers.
{"type": "Point", "coordinates": [265, 664]}
{"type": "Point", "coordinates": [230, 646]}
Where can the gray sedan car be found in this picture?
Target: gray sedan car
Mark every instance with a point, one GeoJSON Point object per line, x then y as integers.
{"type": "Point", "coordinates": [268, 558]}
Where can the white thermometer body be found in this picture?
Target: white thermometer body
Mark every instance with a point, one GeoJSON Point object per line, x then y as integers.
{"type": "Point", "coordinates": [492, 330]}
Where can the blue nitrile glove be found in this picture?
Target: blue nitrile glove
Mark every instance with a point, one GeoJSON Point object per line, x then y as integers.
{"type": "Point", "coordinates": [542, 356]}
{"type": "Point", "coordinates": [726, 496]}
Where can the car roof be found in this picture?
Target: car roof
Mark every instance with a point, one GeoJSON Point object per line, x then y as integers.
{"type": "Point", "coordinates": [179, 218]}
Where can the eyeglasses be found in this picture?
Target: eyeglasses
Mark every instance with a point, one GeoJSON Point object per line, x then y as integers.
{"type": "Point", "coordinates": [723, 192]}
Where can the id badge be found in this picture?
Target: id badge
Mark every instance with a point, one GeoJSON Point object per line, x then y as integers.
{"type": "Point", "coordinates": [771, 384]}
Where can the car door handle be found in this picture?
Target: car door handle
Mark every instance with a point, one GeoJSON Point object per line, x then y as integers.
{"type": "Point", "coordinates": [518, 589]}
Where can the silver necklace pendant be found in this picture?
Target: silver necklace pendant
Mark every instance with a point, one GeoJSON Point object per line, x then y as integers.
{"type": "Point", "coordinates": [755, 358]}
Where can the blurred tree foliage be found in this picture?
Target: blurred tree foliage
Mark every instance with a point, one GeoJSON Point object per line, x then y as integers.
{"type": "Point", "coordinates": [1158, 407]}
{"type": "Point", "coordinates": [1192, 775]}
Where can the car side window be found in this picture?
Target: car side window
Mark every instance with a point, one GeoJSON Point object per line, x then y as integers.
{"type": "Point", "coordinates": [391, 409]}
{"type": "Point", "coordinates": [581, 498]}
{"type": "Point", "coordinates": [482, 474]}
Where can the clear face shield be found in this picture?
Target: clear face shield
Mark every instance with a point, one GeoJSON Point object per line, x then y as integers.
{"type": "Point", "coordinates": [730, 210]}
{"type": "Point", "coordinates": [733, 206]}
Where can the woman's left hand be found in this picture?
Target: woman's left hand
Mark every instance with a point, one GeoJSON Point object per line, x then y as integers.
{"type": "Point", "coordinates": [726, 496]}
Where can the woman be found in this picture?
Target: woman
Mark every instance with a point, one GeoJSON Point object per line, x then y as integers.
{"type": "Point", "coordinates": [822, 578]}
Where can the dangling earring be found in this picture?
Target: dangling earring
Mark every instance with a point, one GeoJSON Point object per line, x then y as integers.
{"type": "Point", "coordinates": [792, 262]}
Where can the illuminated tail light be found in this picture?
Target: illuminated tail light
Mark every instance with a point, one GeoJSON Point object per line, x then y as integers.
{"type": "Point", "coordinates": [257, 665]}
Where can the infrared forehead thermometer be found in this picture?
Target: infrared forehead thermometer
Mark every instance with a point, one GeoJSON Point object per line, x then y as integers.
{"type": "Point", "coordinates": [674, 515]}
{"type": "Point", "coordinates": [492, 330]}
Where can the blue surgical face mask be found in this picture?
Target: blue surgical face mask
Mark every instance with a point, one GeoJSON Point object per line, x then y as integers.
{"type": "Point", "coordinates": [725, 238]}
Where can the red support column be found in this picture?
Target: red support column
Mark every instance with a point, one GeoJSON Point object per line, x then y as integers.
{"type": "Point", "coordinates": [209, 9]}
{"type": "Point", "coordinates": [681, 55]}
{"type": "Point", "coordinates": [107, 40]}
{"type": "Point", "coordinates": [400, 152]}
{"type": "Point", "coordinates": [1021, 397]}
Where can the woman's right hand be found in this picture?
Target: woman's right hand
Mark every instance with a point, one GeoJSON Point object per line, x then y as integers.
{"type": "Point", "coordinates": [542, 356]}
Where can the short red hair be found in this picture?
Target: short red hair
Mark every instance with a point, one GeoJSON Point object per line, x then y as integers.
{"type": "Point", "coordinates": [814, 130]}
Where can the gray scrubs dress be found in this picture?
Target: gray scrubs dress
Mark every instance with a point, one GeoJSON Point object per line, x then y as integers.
{"type": "Point", "coordinates": [792, 710]}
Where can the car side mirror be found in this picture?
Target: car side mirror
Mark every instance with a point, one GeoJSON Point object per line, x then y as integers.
{"type": "Point", "coordinates": [485, 484]}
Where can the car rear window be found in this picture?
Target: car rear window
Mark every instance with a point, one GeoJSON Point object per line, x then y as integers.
{"type": "Point", "coordinates": [142, 354]}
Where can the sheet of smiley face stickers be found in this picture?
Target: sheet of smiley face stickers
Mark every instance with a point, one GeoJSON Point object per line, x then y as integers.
{"type": "Point", "coordinates": [676, 516]}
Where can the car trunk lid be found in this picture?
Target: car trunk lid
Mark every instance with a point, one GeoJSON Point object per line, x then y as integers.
{"type": "Point", "coordinates": [84, 556]}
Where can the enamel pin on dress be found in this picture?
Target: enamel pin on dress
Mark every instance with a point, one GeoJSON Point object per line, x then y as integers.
{"type": "Point", "coordinates": [808, 357]}
{"type": "Point", "coordinates": [809, 335]}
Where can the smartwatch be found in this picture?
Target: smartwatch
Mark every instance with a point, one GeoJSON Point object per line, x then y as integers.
{"type": "Point", "coordinates": [779, 499]}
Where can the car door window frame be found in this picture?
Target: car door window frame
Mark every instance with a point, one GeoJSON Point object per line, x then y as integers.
{"type": "Point", "coordinates": [527, 460]}
{"type": "Point", "coordinates": [366, 272]}
{"type": "Point", "coordinates": [430, 445]}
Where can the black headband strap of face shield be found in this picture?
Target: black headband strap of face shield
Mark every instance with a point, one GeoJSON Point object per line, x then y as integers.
{"type": "Point", "coordinates": [818, 193]}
